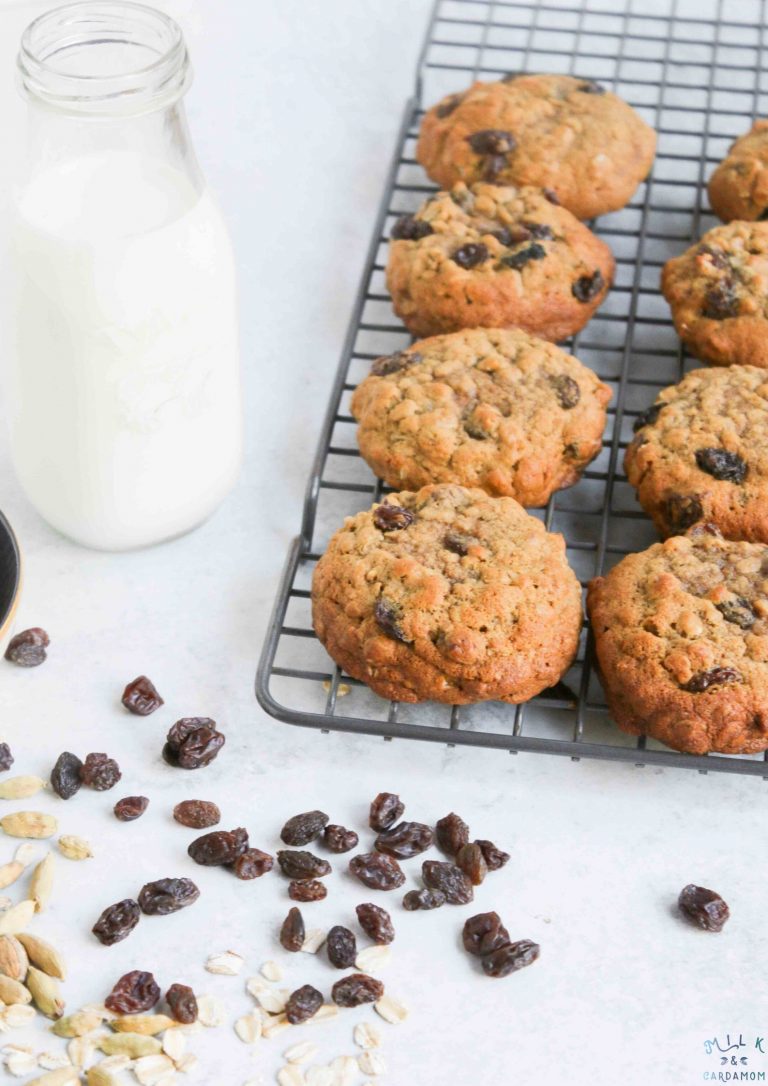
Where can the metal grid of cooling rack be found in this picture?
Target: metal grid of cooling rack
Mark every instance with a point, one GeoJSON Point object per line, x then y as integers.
{"type": "Point", "coordinates": [695, 69]}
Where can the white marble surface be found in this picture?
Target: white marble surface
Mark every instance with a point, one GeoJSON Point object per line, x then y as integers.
{"type": "Point", "coordinates": [294, 111]}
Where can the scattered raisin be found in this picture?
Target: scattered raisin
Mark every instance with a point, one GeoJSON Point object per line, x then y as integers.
{"type": "Point", "coordinates": [448, 105]}
{"type": "Point", "coordinates": [340, 839]}
{"type": "Point", "coordinates": [27, 649]}
{"type": "Point", "coordinates": [387, 616]}
{"type": "Point", "coordinates": [197, 814]}
{"type": "Point", "coordinates": [182, 729]}
{"type": "Point", "coordinates": [409, 228]}
{"type": "Point", "coordinates": [252, 864]}
{"type": "Point", "coordinates": [65, 775]}
{"type": "Point", "coordinates": [566, 389]}
{"type": "Point", "coordinates": [166, 896]}
{"type": "Point", "coordinates": [200, 748]}
{"type": "Point", "coordinates": [392, 518]}
{"type": "Point", "coordinates": [722, 464]}
{"type": "Point", "coordinates": [423, 899]}
{"type": "Point", "coordinates": [484, 933]}
{"type": "Point", "coordinates": [449, 879]}
{"type": "Point", "coordinates": [721, 301]}
{"type": "Point", "coordinates": [738, 611]}
{"type": "Point", "coordinates": [141, 697]}
{"type": "Point", "coordinates": [376, 923]}
{"type": "Point", "coordinates": [292, 931]}
{"type": "Point", "coordinates": [647, 417]}
{"type": "Point", "coordinates": [470, 255]}
{"type": "Point", "coordinates": [472, 862]}
{"type": "Point", "coordinates": [524, 256]}
{"type": "Point", "coordinates": [342, 947]}
{"type": "Point", "coordinates": [587, 287]}
{"type": "Point", "coordinates": [100, 772]}
{"type": "Point", "coordinates": [219, 847]}
{"type": "Point", "coordinates": [303, 1004]}
{"type": "Point", "coordinates": [393, 363]}
{"type": "Point", "coordinates": [130, 808]}
{"type": "Point", "coordinates": [6, 758]}
{"type": "Point", "coordinates": [589, 86]}
{"type": "Point", "coordinates": [385, 811]}
{"type": "Point", "coordinates": [702, 680]}
{"type": "Point", "coordinates": [682, 511]}
{"type": "Point", "coordinates": [404, 840]}
{"type": "Point", "coordinates": [355, 989]}
{"type": "Point", "coordinates": [307, 890]}
{"type": "Point", "coordinates": [492, 141]}
{"type": "Point", "coordinates": [703, 907]}
{"type": "Point", "coordinates": [134, 993]}
{"type": "Point", "coordinates": [452, 833]}
{"type": "Point", "coordinates": [302, 865]}
{"type": "Point", "coordinates": [508, 959]}
{"type": "Point", "coordinates": [303, 828]}
{"type": "Point", "coordinates": [458, 543]}
{"type": "Point", "coordinates": [377, 871]}
{"type": "Point", "coordinates": [182, 1004]}
{"type": "Point", "coordinates": [117, 922]}
{"type": "Point", "coordinates": [494, 857]}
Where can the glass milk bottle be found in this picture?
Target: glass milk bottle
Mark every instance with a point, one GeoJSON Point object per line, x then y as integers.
{"type": "Point", "coordinates": [123, 390]}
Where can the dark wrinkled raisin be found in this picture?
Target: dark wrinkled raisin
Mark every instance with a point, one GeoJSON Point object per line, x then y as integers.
{"type": "Point", "coordinates": [303, 1004]}
{"type": "Point", "coordinates": [377, 871]}
{"type": "Point", "coordinates": [392, 518]}
{"type": "Point", "coordinates": [188, 725]}
{"type": "Point", "coordinates": [703, 907]}
{"type": "Point", "coordinates": [197, 814]}
{"type": "Point", "coordinates": [375, 922]}
{"type": "Point", "coordinates": [340, 839]}
{"type": "Point", "coordinates": [566, 389]}
{"type": "Point", "coordinates": [587, 287]}
{"type": "Point", "coordinates": [292, 931]}
{"type": "Point", "coordinates": [722, 464]}
{"type": "Point", "coordinates": [404, 840]}
{"type": "Point", "coordinates": [117, 922]}
{"type": "Point", "coordinates": [130, 808]}
{"type": "Point", "coordinates": [303, 828]}
{"type": "Point", "coordinates": [492, 141]}
{"type": "Point", "coordinates": [458, 543]}
{"type": "Point", "coordinates": [470, 255]}
{"type": "Point", "coordinates": [302, 865]}
{"type": "Point", "coordinates": [100, 772]}
{"type": "Point", "coordinates": [65, 775]}
{"type": "Point", "coordinates": [647, 417]}
{"type": "Point", "coordinates": [448, 105]}
{"type": "Point", "coordinates": [200, 748]}
{"type": "Point", "coordinates": [423, 899]}
{"type": "Point", "coordinates": [524, 256]}
{"type": "Point", "coordinates": [409, 228]}
{"type": "Point", "coordinates": [682, 511]}
{"type": "Point", "coordinates": [474, 429]}
{"type": "Point", "coordinates": [491, 167]}
{"type": "Point", "coordinates": [702, 680]}
{"type": "Point", "coordinates": [27, 649]}
{"type": "Point", "coordinates": [484, 933]}
{"type": "Point", "coordinates": [551, 195]}
{"type": "Point", "coordinates": [6, 758]}
{"type": "Point", "coordinates": [449, 879]}
{"type": "Point", "coordinates": [307, 890]}
{"type": "Point", "coordinates": [141, 697]}
{"type": "Point", "coordinates": [342, 947]}
{"type": "Point", "coordinates": [393, 363]}
{"type": "Point", "coordinates": [538, 230]}
{"type": "Point", "coordinates": [472, 862]}
{"type": "Point", "coordinates": [387, 616]}
{"type": "Point", "coordinates": [166, 896]}
{"type": "Point", "coordinates": [716, 256]}
{"type": "Point", "coordinates": [385, 811]}
{"type": "Point", "coordinates": [494, 857]}
{"type": "Point", "coordinates": [252, 864]}
{"type": "Point", "coordinates": [355, 989]}
{"type": "Point", "coordinates": [182, 1004]}
{"type": "Point", "coordinates": [508, 959]}
{"type": "Point", "coordinates": [738, 611]}
{"type": "Point", "coordinates": [512, 235]}
{"type": "Point", "coordinates": [589, 86]}
{"type": "Point", "coordinates": [134, 993]}
{"type": "Point", "coordinates": [219, 847]}
{"type": "Point", "coordinates": [451, 833]}
{"type": "Point", "coordinates": [721, 301]}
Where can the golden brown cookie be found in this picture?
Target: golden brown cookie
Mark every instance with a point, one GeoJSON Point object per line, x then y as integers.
{"type": "Point", "coordinates": [449, 595]}
{"type": "Point", "coordinates": [738, 189]}
{"type": "Point", "coordinates": [486, 407]}
{"type": "Point", "coordinates": [700, 453]}
{"type": "Point", "coordinates": [587, 146]}
{"type": "Point", "coordinates": [681, 636]}
{"type": "Point", "coordinates": [718, 293]}
{"type": "Point", "coordinates": [496, 257]}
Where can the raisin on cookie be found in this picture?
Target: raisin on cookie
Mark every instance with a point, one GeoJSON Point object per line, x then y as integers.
{"type": "Point", "coordinates": [700, 453]}
{"type": "Point", "coordinates": [490, 408]}
{"type": "Point", "coordinates": [738, 189]}
{"type": "Point", "coordinates": [447, 594]}
{"type": "Point", "coordinates": [494, 256]}
{"type": "Point", "coordinates": [568, 135]}
{"type": "Point", "coordinates": [681, 637]}
{"type": "Point", "coordinates": [718, 293]}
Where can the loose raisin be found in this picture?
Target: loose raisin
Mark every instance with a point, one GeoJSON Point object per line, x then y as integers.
{"type": "Point", "coordinates": [200, 748]}
{"type": "Point", "coordinates": [27, 649]}
{"type": "Point", "coordinates": [377, 871]}
{"type": "Point", "coordinates": [458, 543]}
{"type": "Point", "coordinates": [292, 931]}
{"type": "Point", "coordinates": [355, 989]}
{"type": "Point", "coordinates": [647, 417]}
{"type": "Point", "coordinates": [423, 899]}
{"type": "Point", "coordinates": [303, 828]}
{"type": "Point", "coordinates": [341, 946]}
{"type": "Point", "coordinates": [130, 808]}
{"type": "Point", "coordinates": [409, 228]}
{"type": "Point", "coordinates": [508, 959]}
{"type": "Point", "coordinates": [470, 255]}
{"type": "Point", "coordinates": [141, 697]}
{"type": "Point", "coordinates": [494, 857]}
{"type": "Point", "coordinates": [117, 922]}
{"type": "Point", "coordinates": [522, 257]}
{"type": "Point", "coordinates": [452, 833]}
{"type": "Point", "coordinates": [100, 772]}
{"type": "Point", "coordinates": [392, 518]}
{"type": "Point", "coordinates": [492, 141]}
{"type": "Point", "coordinates": [303, 1004]}
{"type": "Point", "coordinates": [65, 775]}
{"type": "Point", "coordinates": [219, 847]}
{"type": "Point", "coordinates": [134, 993]}
{"type": "Point", "coordinates": [307, 890]}
{"type": "Point", "coordinates": [722, 464]}
{"type": "Point", "coordinates": [484, 933]}
{"type": "Point", "coordinates": [165, 896]}
{"type": "Point", "coordinates": [340, 839]}
{"type": "Point", "coordinates": [587, 287]}
{"type": "Point", "coordinates": [449, 879]}
{"type": "Point", "coordinates": [682, 511]}
{"type": "Point", "coordinates": [188, 725]}
{"type": "Point", "coordinates": [393, 363]}
{"type": "Point", "coordinates": [387, 616]}
{"type": "Point", "coordinates": [6, 758]}
{"type": "Point", "coordinates": [252, 864]}
{"type": "Point", "coordinates": [404, 840]}
{"type": "Point", "coordinates": [197, 814]}
{"type": "Point", "coordinates": [566, 389]}
{"type": "Point", "coordinates": [702, 680]}
{"type": "Point", "coordinates": [385, 811]}
{"type": "Point", "coordinates": [376, 923]}
{"type": "Point", "coordinates": [703, 907]}
{"type": "Point", "coordinates": [302, 865]}
{"type": "Point", "coordinates": [738, 611]}
{"type": "Point", "coordinates": [472, 862]}
{"type": "Point", "coordinates": [589, 86]}
{"type": "Point", "coordinates": [182, 1004]}
{"type": "Point", "coordinates": [721, 301]}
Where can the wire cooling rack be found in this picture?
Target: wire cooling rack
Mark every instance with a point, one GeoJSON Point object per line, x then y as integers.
{"type": "Point", "coordinates": [695, 69]}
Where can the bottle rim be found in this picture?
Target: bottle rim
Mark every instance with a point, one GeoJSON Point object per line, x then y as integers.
{"type": "Point", "coordinates": [68, 58]}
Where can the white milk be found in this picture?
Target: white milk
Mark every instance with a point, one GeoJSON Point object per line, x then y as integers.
{"type": "Point", "coordinates": [124, 392]}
